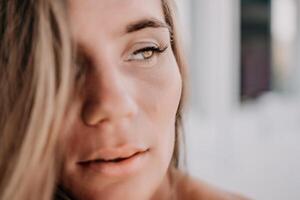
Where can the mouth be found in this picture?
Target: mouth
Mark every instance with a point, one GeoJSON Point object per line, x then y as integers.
{"type": "Point", "coordinates": [116, 165]}
{"type": "Point", "coordinates": [113, 160]}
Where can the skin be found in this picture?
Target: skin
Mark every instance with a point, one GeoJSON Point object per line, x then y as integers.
{"type": "Point", "coordinates": [187, 187]}
{"type": "Point", "coordinates": [128, 97]}
{"type": "Point", "coordinates": [125, 99]}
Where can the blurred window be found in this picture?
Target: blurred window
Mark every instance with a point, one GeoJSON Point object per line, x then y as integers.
{"type": "Point", "coordinates": [255, 48]}
{"type": "Point", "coordinates": [269, 47]}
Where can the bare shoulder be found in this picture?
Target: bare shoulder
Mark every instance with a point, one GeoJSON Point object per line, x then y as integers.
{"type": "Point", "coordinates": [193, 189]}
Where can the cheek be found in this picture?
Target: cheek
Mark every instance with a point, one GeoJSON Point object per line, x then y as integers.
{"type": "Point", "coordinates": [161, 92]}
{"type": "Point", "coordinates": [159, 97]}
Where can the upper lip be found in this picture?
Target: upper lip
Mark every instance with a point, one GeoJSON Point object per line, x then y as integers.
{"type": "Point", "coordinates": [109, 154]}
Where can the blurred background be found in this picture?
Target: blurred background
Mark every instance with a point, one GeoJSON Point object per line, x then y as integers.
{"type": "Point", "coordinates": [243, 122]}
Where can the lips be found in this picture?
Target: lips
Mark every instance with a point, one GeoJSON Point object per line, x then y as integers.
{"type": "Point", "coordinates": [115, 162]}
{"type": "Point", "coordinates": [112, 159]}
{"type": "Point", "coordinates": [112, 154]}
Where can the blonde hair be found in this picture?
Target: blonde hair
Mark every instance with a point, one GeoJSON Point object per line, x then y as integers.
{"type": "Point", "coordinates": [36, 82]}
{"type": "Point", "coordinates": [170, 10]}
{"type": "Point", "coordinates": [35, 69]}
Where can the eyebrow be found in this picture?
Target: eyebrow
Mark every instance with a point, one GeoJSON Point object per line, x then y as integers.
{"type": "Point", "coordinates": [147, 23]}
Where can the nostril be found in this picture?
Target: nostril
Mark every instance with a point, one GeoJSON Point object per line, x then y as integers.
{"type": "Point", "coordinates": [91, 115]}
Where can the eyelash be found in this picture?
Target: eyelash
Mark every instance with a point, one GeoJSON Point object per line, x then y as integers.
{"type": "Point", "coordinates": [155, 50]}
{"type": "Point", "coordinates": [151, 48]}
{"type": "Point", "coordinates": [80, 62]}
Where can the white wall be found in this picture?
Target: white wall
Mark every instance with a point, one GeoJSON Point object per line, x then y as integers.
{"type": "Point", "coordinates": [215, 57]}
{"type": "Point", "coordinates": [253, 148]}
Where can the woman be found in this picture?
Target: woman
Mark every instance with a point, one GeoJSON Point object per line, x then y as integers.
{"type": "Point", "coordinates": [91, 101]}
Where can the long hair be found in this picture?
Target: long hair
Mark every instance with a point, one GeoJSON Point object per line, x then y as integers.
{"type": "Point", "coordinates": [36, 82]}
{"type": "Point", "coordinates": [170, 11]}
{"type": "Point", "coordinates": [35, 85]}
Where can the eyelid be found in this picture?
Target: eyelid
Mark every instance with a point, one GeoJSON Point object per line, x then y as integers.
{"type": "Point", "coordinates": [139, 56]}
{"type": "Point", "coordinates": [140, 47]}
{"type": "Point", "coordinates": [150, 48]}
{"type": "Point", "coordinates": [143, 44]}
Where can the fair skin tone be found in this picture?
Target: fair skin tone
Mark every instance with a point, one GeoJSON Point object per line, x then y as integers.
{"type": "Point", "coordinates": [121, 141]}
{"type": "Point", "coordinates": [127, 104]}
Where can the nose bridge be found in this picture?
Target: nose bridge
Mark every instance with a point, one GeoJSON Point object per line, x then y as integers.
{"type": "Point", "coordinates": [109, 95]}
{"type": "Point", "coordinates": [109, 76]}
{"type": "Point", "coordinates": [110, 82]}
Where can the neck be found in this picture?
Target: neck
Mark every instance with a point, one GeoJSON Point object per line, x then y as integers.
{"type": "Point", "coordinates": [165, 191]}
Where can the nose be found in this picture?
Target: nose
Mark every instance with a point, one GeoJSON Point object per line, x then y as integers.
{"type": "Point", "coordinates": [108, 96]}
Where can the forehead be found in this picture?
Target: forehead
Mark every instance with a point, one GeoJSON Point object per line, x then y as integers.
{"type": "Point", "coordinates": [111, 16]}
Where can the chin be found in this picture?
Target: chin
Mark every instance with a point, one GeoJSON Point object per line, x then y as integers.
{"type": "Point", "coordinates": [131, 190]}
{"type": "Point", "coordinates": [138, 186]}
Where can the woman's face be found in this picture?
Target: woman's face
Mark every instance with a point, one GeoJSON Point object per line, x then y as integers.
{"type": "Point", "coordinates": [121, 141]}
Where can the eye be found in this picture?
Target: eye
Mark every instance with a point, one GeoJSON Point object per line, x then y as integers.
{"type": "Point", "coordinates": [146, 53]}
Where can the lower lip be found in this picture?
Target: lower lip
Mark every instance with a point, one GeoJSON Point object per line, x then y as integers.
{"type": "Point", "coordinates": [122, 168]}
